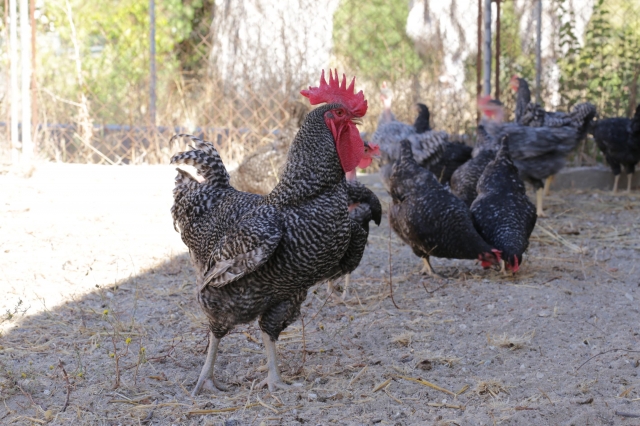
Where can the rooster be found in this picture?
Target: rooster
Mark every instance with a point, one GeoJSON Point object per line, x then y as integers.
{"type": "Point", "coordinates": [537, 152]}
{"type": "Point", "coordinates": [431, 220]}
{"type": "Point", "coordinates": [619, 140]}
{"type": "Point", "coordinates": [256, 256]}
{"type": "Point", "coordinates": [502, 214]}
{"type": "Point", "coordinates": [363, 204]}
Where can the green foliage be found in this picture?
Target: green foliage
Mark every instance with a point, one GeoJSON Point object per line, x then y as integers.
{"type": "Point", "coordinates": [370, 37]}
{"type": "Point", "coordinates": [114, 43]}
{"type": "Point", "coordinates": [602, 71]}
{"type": "Point", "coordinates": [513, 60]}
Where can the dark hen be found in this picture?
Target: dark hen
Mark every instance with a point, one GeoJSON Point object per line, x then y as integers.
{"type": "Point", "coordinates": [431, 220]}
{"type": "Point", "coordinates": [256, 256]}
{"type": "Point", "coordinates": [465, 179]}
{"type": "Point", "coordinates": [532, 114]}
{"type": "Point", "coordinates": [619, 141]}
{"type": "Point", "coordinates": [432, 149]}
{"type": "Point", "coordinates": [538, 152]}
{"type": "Point", "coordinates": [502, 213]}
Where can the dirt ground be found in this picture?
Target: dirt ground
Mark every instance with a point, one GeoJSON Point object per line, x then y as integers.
{"type": "Point", "coordinates": [100, 324]}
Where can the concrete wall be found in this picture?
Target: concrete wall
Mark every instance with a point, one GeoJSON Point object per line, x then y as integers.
{"type": "Point", "coordinates": [598, 177]}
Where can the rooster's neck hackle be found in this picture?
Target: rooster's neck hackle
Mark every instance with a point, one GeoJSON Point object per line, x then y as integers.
{"type": "Point", "coordinates": [312, 164]}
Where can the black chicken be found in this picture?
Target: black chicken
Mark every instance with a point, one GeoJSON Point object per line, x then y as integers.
{"type": "Point", "coordinates": [532, 114]}
{"type": "Point", "coordinates": [502, 213]}
{"type": "Point", "coordinates": [432, 149]}
{"type": "Point", "coordinates": [256, 256]}
{"type": "Point", "coordinates": [465, 179]}
{"type": "Point", "coordinates": [619, 141]}
{"type": "Point", "coordinates": [430, 219]}
{"type": "Point", "coordinates": [537, 152]}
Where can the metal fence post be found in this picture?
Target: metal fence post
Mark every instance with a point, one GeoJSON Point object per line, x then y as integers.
{"type": "Point", "coordinates": [152, 70]}
{"type": "Point", "coordinates": [487, 47]}
{"type": "Point", "coordinates": [25, 59]}
{"type": "Point", "coordinates": [13, 58]}
{"type": "Point", "coordinates": [497, 90]}
{"type": "Point", "coordinates": [538, 12]}
{"type": "Point", "coordinates": [34, 87]}
{"type": "Point", "coordinates": [479, 58]}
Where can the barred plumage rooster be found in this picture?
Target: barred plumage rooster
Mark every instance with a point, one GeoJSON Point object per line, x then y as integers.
{"type": "Point", "coordinates": [256, 256]}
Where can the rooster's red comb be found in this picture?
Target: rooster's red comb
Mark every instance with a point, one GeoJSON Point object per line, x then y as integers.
{"type": "Point", "coordinates": [339, 93]}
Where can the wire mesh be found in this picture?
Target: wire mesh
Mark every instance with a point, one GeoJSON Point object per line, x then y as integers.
{"type": "Point", "coordinates": [232, 71]}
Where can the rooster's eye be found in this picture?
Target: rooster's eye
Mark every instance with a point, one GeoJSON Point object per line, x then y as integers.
{"type": "Point", "coordinates": [339, 113]}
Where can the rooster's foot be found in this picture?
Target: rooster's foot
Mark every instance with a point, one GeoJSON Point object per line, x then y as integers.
{"type": "Point", "coordinates": [273, 384]}
{"type": "Point", "coordinates": [206, 378]}
{"type": "Point", "coordinates": [214, 384]}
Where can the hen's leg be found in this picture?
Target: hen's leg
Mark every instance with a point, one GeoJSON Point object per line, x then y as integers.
{"type": "Point", "coordinates": [428, 269]}
{"type": "Point", "coordinates": [539, 196]}
{"type": "Point", "coordinates": [629, 179]}
{"type": "Point", "coordinates": [547, 185]}
{"type": "Point", "coordinates": [615, 183]}
{"type": "Point", "coordinates": [347, 279]}
{"type": "Point", "coordinates": [206, 375]}
{"type": "Point", "coordinates": [273, 379]}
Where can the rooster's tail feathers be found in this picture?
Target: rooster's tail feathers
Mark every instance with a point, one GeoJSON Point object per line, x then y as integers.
{"type": "Point", "coordinates": [205, 159]}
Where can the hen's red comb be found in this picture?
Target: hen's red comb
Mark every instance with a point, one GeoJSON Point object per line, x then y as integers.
{"type": "Point", "coordinates": [339, 93]}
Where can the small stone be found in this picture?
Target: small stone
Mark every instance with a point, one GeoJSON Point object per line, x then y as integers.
{"type": "Point", "coordinates": [490, 307]}
{"type": "Point", "coordinates": [425, 365]}
{"type": "Point", "coordinates": [462, 326]}
{"type": "Point", "coordinates": [628, 296]}
{"type": "Point", "coordinates": [522, 367]}
{"type": "Point", "coordinates": [539, 375]}
{"type": "Point", "coordinates": [312, 396]}
{"type": "Point", "coordinates": [544, 313]}
{"type": "Point", "coordinates": [109, 295]}
{"type": "Point", "coordinates": [46, 391]}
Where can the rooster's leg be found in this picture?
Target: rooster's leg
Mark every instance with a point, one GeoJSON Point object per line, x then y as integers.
{"type": "Point", "coordinates": [273, 379]}
{"type": "Point", "coordinates": [629, 179]}
{"type": "Point", "coordinates": [428, 269]}
{"type": "Point", "coordinates": [347, 279]}
{"type": "Point", "coordinates": [615, 183]}
{"type": "Point", "coordinates": [547, 185]}
{"type": "Point", "coordinates": [503, 266]}
{"type": "Point", "coordinates": [330, 288]}
{"type": "Point", "coordinates": [539, 196]}
{"type": "Point", "coordinates": [206, 375]}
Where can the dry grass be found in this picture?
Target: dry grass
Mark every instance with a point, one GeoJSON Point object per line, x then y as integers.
{"type": "Point", "coordinates": [490, 388]}
{"type": "Point", "coordinates": [511, 342]}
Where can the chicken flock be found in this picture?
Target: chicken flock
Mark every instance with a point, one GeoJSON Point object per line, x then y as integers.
{"type": "Point", "coordinates": [304, 218]}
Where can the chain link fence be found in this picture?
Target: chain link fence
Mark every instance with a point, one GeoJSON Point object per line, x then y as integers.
{"type": "Point", "coordinates": [231, 72]}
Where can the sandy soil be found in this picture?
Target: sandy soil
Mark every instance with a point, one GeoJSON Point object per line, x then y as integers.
{"type": "Point", "coordinates": [98, 307]}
